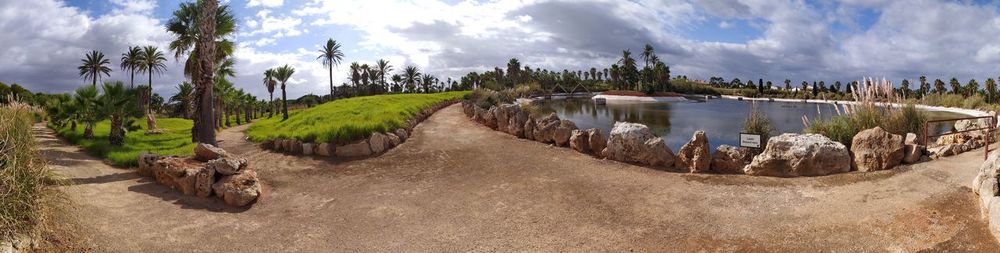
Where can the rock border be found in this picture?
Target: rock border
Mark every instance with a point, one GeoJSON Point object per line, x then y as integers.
{"type": "Point", "coordinates": [377, 143]}
{"type": "Point", "coordinates": [635, 144]}
{"type": "Point", "coordinates": [212, 171]}
{"type": "Point", "coordinates": [986, 185]}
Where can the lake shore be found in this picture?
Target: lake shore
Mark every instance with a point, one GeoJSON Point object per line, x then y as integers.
{"type": "Point", "coordinates": [969, 112]}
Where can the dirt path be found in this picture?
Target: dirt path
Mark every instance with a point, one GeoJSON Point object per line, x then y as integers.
{"type": "Point", "coordinates": [455, 186]}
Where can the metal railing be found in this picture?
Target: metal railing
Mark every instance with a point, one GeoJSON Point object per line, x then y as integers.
{"type": "Point", "coordinates": [988, 128]}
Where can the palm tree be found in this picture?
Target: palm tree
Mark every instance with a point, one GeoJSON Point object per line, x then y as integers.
{"type": "Point", "coordinates": [223, 95]}
{"type": "Point", "coordinates": [94, 65]}
{"type": "Point", "coordinates": [130, 62]}
{"type": "Point", "coordinates": [151, 61]}
{"type": "Point", "coordinates": [647, 54]}
{"type": "Point", "coordinates": [269, 83]}
{"type": "Point", "coordinates": [396, 80]}
{"type": "Point", "coordinates": [282, 74]}
{"type": "Point", "coordinates": [86, 101]}
{"type": "Point", "coordinates": [627, 67]}
{"type": "Point", "coordinates": [202, 28]}
{"type": "Point", "coordinates": [184, 97]}
{"type": "Point", "coordinates": [383, 67]}
{"type": "Point", "coordinates": [331, 56]}
{"type": "Point", "coordinates": [411, 76]}
{"type": "Point", "coordinates": [116, 103]}
{"type": "Point", "coordinates": [426, 81]}
{"type": "Point", "coordinates": [513, 69]}
{"type": "Point", "coordinates": [355, 76]}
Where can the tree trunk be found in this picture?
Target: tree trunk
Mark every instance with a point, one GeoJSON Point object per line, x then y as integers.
{"type": "Point", "coordinates": [284, 101]}
{"type": "Point", "coordinates": [88, 132]}
{"type": "Point", "coordinates": [150, 121]}
{"type": "Point", "coordinates": [117, 135]}
{"type": "Point", "coordinates": [206, 51]}
{"type": "Point", "coordinates": [331, 80]}
{"type": "Point", "coordinates": [236, 112]}
{"type": "Point", "coordinates": [150, 117]}
{"type": "Point", "coordinates": [72, 125]}
{"type": "Point", "coordinates": [247, 113]}
{"type": "Point", "coordinates": [270, 106]}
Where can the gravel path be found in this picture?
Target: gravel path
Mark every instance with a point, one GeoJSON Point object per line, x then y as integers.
{"type": "Point", "coordinates": [456, 186]}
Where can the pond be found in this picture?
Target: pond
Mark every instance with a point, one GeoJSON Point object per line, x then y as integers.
{"type": "Point", "coordinates": [721, 119]}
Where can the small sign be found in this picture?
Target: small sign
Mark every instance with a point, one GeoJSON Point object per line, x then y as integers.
{"type": "Point", "coordinates": [749, 140]}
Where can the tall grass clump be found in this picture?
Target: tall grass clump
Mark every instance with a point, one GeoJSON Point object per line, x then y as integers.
{"type": "Point", "coordinates": [758, 123]}
{"type": "Point", "coordinates": [486, 98]}
{"type": "Point", "coordinates": [28, 201]}
{"type": "Point", "coordinates": [347, 120]}
{"type": "Point", "coordinates": [876, 105]}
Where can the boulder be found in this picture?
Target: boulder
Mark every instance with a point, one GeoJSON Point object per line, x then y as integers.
{"type": "Point", "coordinates": [268, 144]}
{"type": "Point", "coordinates": [378, 142]}
{"type": "Point", "coordinates": [308, 148]}
{"type": "Point", "coordinates": [467, 108]}
{"type": "Point", "coordinates": [295, 146]}
{"type": "Point", "coordinates": [228, 165]}
{"type": "Point", "coordinates": [502, 115]}
{"type": "Point", "coordinates": [239, 189]}
{"type": "Point", "coordinates": [517, 119]}
{"type": "Point", "coordinates": [204, 178]}
{"type": "Point", "coordinates": [911, 139]}
{"type": "Point", "coordinates": [943, 151]}
{"type": "Point", "coordinates": [562, 132]}
{"type": "Point", "coordinates": [392, 140]}
{"type": "Point", "coordinates": [968, 124]}
{"type": "Point", "coordinates": [875, 149]}
{"type": "Point", "coordinates": [325, 149]}
{"type": "Point", "coordinates": [545, 128]}
{"type": "Point", "coordinates": [790, 155]}
{"type": "Point", "coordinates": [401, 133]}
{"type": "Point", "coordinates": [579, 140]}
{"type": "Point", "coordinates": [694, 155]}
{"type": "Point", "coordinates": [635, 143]}
{"type": "Point", "coordinates": [177, 173]}
{"type": "Point", "coordinates": [912, 153]}
{"type": "Point", "coordinates": [529, 129]}
{"type": "Point", "coordinates": [731, 160]}
{"type": "Point", "coordinates": [596, 141]}
{"type": "Point", "coordinates": [489, 118]}
{"type": "Point", "coordinates": [206, 152]}
{"type": "Point", "coordinates": [146, 163]}
{"type": "Point", "coordinates": [989, 170]}
{"type": "Point", "coordinates": [356, 149]}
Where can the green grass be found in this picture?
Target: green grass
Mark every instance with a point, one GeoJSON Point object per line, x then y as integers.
{"type": "Point", "coordinates": [346, 120]}
{"type": "Point", "coordinates": [176, 140]}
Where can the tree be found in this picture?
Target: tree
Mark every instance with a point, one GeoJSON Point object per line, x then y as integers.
{"type": "Point", "coordinates": [513, 70]}
{"type": "Point", "coordinates": [94, 66]}
{"type": "Point", "coordinates": [971, 88]}
{"type": "Point", "coordinates": [991, 90]}
{"type": "Point", "coordinates": [815, 90]}
{"type": "Point", "coordinates": [648, 54]}
{"type": "Point", "coordinates": [924, 86]}
{"type": "Point", "coordinates": [426, 81]}
{"type": "Point", "coordinates": [130, 62]}
{"type": "Point", "coordinates": [905, 88]}
{"type": "Point", "coordinates": [117, 103]}
{"type": "Point", "coordinates": [956, 87]}
{"type": "Point", "coordinates": [939, 86]}
{"type": "Point", "coordinates": [760, 86]}
{"type": "Point", "coordinates": [151, 61]}
{"type": "Point", "coordinates": [628, 69]}
{"type": "Point", "coordinates": [382, 67]}
{"type": "Point", "coordinates": [86, 101]}
{"type": "Point", "coordinates": [411, 76]}
{"type": "Point", "coordinates": [183, 98]}
{"type": "Point", "coordinates": [331, 56]}
{"type": "Point", "coordinates": [805, 88]}
{"type": "Point", "coordinates": [788, 84]}
{"type": "Point", "coordinates": [201, 29]}
{"type": "Point", "coordinates": [282, 74]}
{"type": "Point", "coordinates": [270, 83]}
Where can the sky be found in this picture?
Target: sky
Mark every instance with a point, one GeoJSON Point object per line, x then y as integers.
{"type": "Point", "coordinates": [812, 40]}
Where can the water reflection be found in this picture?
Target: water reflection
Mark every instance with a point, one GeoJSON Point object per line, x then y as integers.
{"type": "Point", "coordinates": [721, 119]}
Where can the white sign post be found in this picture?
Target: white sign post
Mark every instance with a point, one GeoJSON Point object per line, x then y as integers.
{"type": "Point", "coordinates": [749, 140]}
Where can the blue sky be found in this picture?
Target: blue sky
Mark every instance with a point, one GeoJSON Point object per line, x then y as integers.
{"type": "Point", "coordinates": [748, 39]}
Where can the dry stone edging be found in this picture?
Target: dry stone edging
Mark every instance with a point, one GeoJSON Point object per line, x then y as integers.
{"type": "Point", "coordinates": [985, 184]}
{"type": "Point", "coordinates": [210, 170]}
{"type": "Point", "coordinates": [376, 143]}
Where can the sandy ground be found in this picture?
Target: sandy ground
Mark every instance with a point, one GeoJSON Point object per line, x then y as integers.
{"type": "Point", "coordinates": [457, 186]}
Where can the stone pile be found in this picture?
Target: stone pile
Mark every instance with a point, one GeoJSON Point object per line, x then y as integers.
{"type": "Point", "coordinates": [212, 171]}
{"type": "Point", "coordinates": [958, 143]}
{"type": "Point", "coordinates": [376, 143]}
{"type": "Point", "coordinates": [985, 184]}
{"type": "Point", "coordinates": [513, 120]}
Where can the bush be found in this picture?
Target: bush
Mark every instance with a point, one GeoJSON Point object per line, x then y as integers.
{"type": "Point", "coordinates": [874, 108]}
{"type": "Point", "coordinates": [27, 202]}
{"type": "Point", "coordinates": [758, 123]}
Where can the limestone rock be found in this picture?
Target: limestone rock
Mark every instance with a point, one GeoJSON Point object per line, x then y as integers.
{"type": "Point", "coordinates": [596, 141]}
{"type": "Point", "coordinates": [875, 149]}
{"type": "Point", "coordinates": [239, 189]}
{"type": "Point", "coordinates": [392, 140]}
{"type": "Point", "coordinates": [502, 115]}
{"type": "Point", "coordinates": [790, 155]}
{"type": "Point", "coordinates": [911, 139]}
{"type": "Point", "coordinates": [529, 129]}
{"type": "Point", "coordinates": [635, 143]}
{"type": "Point", "coordinates": [562, 132]}
{"type": "Point", "coordinates": [579, 140]}
{"type": "Point", "coordinates": [545, 128]}
{"type": "Point", "coordinates": [203, 181]}
{"type": "Point", "coordinates": [296, 147]}
{"type": "Point", "coordinates": [731, 160]}
{"type": "Point", "coordinates": [969, 124]}
{"type": "Point", "coordinates": [206, 152]}
{"type": "Point", "coordinates": [359, 148]}
{"type": "Point", "coordinates": [308, 148]}
{"type": "Point", "coordinates": [146, 164]}
{"type": "Point", "coordinates": [228, 165]}
{"type": "Point", "coordinates": [325, 149]}
{"type": "Point", "coordinates": [489, 118]}
{"type": "Point", "coordinates": [694, 155]}
{"type": "Point", "coordinates": [378, 142]}
{"type": "Point", "coordinates": [517, 119]}
{"type": "Point", "coordinates": [401, 133]}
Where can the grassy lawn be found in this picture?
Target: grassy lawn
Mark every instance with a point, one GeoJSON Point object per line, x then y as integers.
{"type": "Point", "coordinates": [176, 140]}
{"type": "Point", "coordinates": [348, 119]}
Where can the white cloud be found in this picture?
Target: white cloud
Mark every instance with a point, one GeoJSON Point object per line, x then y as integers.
{"type": "Point", "coordinates": [265, 3]}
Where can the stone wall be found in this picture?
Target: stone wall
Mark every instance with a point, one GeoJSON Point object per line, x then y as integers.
{"type": "Point", "coordinates": [212, 171]}
{"type": "Point", "coordinates": [986, 186]}
{"type": "Point", "coordinates": [375, 144]}
{"type": "Point", "coordinates": [787, 155]}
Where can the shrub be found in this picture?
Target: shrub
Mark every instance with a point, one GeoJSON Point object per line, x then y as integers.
{"type": "Point", "coordinates": [27, 202]}
{"type": "Point", "coordinates": [758, 123]}
{"type": "Point", "coordinates": [874, 108]}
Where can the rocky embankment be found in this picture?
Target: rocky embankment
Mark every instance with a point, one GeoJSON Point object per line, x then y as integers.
{"type": "Point", "coordinates": [212, 171]}
{"type": "Point", "coordinates": [786, 155]}
{"type": "Point", "coordinates": [376, 143]}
